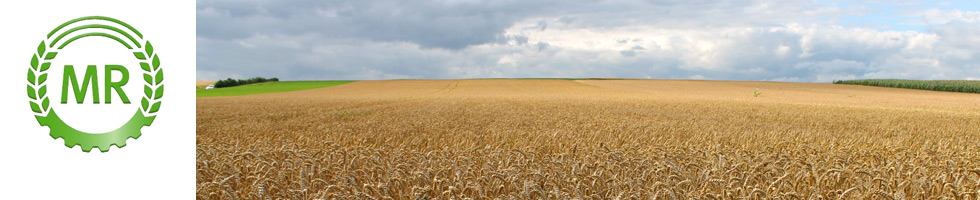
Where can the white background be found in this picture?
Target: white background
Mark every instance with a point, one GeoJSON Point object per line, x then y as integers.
{"type": "Point", "coordinates": [158, 165]}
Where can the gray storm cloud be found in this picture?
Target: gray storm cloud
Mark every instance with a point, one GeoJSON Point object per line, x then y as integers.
{"type": "Point", "coordinates": [731, 40]}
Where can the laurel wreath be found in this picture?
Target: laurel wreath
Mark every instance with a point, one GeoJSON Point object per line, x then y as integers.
{"type": "Point", "coordinates": [153, 76]}
{"type": "Point", "coordinates": [37, 75]}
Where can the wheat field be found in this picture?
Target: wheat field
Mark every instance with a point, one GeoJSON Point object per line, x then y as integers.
{"type": "Point", "coordinates": [589, 139]}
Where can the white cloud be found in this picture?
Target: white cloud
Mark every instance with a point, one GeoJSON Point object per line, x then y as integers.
{"type": "Point", "coordinates": [939, 16]}
{"type": "Point", "coordinates": [736, 40]}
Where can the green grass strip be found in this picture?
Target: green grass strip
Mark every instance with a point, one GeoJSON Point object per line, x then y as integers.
{"type": "Point", "coordinates": [267, 87]}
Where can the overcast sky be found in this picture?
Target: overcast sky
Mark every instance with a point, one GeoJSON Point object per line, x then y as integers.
{"type": "Point", "coordinates": [778, 40]}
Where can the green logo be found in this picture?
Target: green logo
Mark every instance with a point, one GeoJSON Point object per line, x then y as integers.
{"type": "Point", "coordinates": [92, 27]}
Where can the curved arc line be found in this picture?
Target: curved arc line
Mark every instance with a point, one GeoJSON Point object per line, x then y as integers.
{"type": "Point", "coordinates": [95, 26]}
{"type": "Point", "coordinates": [94, 34]}
{"type": "Point", "coordinates": [124, 24]}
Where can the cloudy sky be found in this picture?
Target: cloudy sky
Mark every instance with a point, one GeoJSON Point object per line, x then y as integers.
{"type": "Point", "coordinates": [778, 40]}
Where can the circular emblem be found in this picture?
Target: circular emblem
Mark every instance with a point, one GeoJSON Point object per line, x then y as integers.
{"type": "Point", "coordinates": [85, 27]}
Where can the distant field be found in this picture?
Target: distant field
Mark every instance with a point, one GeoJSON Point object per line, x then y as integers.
{"type": "Point", "coordinates": [936, 85]}
{"type": "Point", "coordinates": [590, 139]}
{"type": "Point", "coordinates": [204, 83]}
{"type": "Point", "coordinates": [267, 87]}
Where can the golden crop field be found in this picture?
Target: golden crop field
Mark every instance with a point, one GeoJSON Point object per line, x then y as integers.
{"type": "Point", "coordinates": [589, 139]}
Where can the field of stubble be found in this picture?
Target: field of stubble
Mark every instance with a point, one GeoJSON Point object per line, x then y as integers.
{"type": "Point", "coordinates": [589, 139]}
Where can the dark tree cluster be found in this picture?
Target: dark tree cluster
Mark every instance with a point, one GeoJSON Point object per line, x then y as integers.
{"type": "Point", "coordinates": [236, 82]}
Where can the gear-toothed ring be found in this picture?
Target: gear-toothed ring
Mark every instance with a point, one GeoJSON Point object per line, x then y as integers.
{"type": "Point", "coordinates": [152, 76]}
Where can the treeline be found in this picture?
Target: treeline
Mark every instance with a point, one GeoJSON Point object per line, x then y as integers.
{"type": "Point", "coordinates": [236, 82]}
{"type": "Point", "coordinates": [937, 85]}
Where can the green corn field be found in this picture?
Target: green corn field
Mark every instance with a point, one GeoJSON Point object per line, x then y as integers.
{"type": "Point", "coordinates": [937, 85]}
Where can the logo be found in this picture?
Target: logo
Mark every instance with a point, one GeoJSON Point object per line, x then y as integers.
{"type": "Point", "coordinates": [78, 50]}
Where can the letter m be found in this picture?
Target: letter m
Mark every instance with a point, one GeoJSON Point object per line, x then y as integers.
{"type": "Point", "coordinates": [91, 76]}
